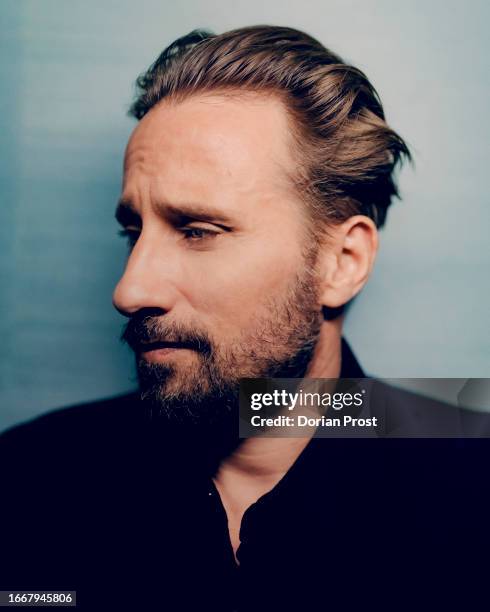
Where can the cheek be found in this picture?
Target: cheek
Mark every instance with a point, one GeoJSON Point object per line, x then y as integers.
{"type": "Point", "coordinates": [226, 288]}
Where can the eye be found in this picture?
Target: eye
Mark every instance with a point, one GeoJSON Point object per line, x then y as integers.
{"type": "Point", "coordinates": [197, 234]}
{"type": "Point", "coordinates": [131, 234]}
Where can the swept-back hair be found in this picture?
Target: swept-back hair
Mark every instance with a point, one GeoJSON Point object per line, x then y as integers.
{"type": "Point", "coordinates": [345, 151]}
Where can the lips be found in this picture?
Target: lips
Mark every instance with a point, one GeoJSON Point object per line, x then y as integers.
{"type": "Point", "coordinates": [153, 346]}
{"type": "Point", "coordinates": [146, 334]}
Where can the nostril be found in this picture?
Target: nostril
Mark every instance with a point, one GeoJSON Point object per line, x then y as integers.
{"type": "Point", "coordinates": [145, 283]}
{"type": "Point", "coordinates": [120, 309]}
{"type": "Point", "coordinates": [123, 300]}
{"type": "Point", "coordinates": [130, 298]}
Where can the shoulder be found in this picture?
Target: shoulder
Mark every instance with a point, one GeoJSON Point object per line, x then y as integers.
{"type": "Point", "coordinates": [76, 415]}
{"type": "Point", "coordinates": [66, 430]}
{"type": "Point", "coordinates": [406, 414]}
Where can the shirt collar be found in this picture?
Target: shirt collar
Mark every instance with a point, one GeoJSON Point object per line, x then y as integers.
{"type": "Point", "coordinates": [349, 366]}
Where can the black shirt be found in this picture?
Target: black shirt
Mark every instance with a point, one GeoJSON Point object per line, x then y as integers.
{"type": "Point", "coordinates": [94, 500]}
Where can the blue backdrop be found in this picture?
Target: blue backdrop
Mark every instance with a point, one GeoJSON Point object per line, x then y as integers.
{"type": "Point", "coordinates": [67, 71]}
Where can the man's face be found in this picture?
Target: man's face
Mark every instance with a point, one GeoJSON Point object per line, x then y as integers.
{"type": "Point", "coordinates": [220, 282]}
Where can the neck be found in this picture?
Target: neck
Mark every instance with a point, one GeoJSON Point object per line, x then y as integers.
{"type": "Point", "coordinates": [258, 464]}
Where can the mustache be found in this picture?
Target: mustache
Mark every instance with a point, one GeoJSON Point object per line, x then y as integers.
{"type": "Point", "coordinates": [143, 329]}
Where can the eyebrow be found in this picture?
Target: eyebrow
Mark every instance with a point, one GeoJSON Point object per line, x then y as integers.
{"type": "Point", "coordinates": [127, 215]}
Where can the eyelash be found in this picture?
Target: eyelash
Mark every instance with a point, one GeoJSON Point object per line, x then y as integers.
{"type": "Point", "coordinates": [133, 235]}
{"type": "Point", "coordinates": [187, 231]}
{"type": "Point", "coordinates": [130, 235]}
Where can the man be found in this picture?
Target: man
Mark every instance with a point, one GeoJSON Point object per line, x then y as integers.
{"type": "Point", "coordinates": [254, 184]}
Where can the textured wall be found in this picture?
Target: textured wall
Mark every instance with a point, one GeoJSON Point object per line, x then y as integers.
{"type": "Point", "coordinates": [67, 70]}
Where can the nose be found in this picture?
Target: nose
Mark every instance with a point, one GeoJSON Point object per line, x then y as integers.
{"type": "Point", "coordinates": [147, 280]}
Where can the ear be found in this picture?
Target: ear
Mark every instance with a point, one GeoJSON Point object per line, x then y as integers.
{"type": "Point", "coordinates": [347, 259]}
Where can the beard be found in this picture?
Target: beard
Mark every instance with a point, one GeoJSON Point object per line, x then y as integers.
{"type": "Point", "coordinates": [201, 396]}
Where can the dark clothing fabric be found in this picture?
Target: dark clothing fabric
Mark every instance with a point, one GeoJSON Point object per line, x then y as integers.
{"type": "Point", "coordinates": [95, 500]}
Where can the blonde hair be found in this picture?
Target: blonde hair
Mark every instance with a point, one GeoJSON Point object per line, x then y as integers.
{"type": "Point", "coordinates": [346, 153]}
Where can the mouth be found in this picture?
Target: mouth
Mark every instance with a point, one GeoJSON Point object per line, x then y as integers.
{"type": "Point", "coordinates": [154, 351]}
{"type": "Point", "coordinates": [151, 346]}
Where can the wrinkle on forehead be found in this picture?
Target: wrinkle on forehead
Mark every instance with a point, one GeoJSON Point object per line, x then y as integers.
{"type": "Point", "coordinates": [240, 143]}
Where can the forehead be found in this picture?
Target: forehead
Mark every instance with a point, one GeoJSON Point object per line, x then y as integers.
{"type": "Point", "coordinates": [237, 144]}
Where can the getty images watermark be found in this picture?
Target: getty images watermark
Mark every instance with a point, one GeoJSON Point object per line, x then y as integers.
{"type": "Point", "coordinates": [308, 400]}
{"type": "Point", "coordinates": [365, 407]}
